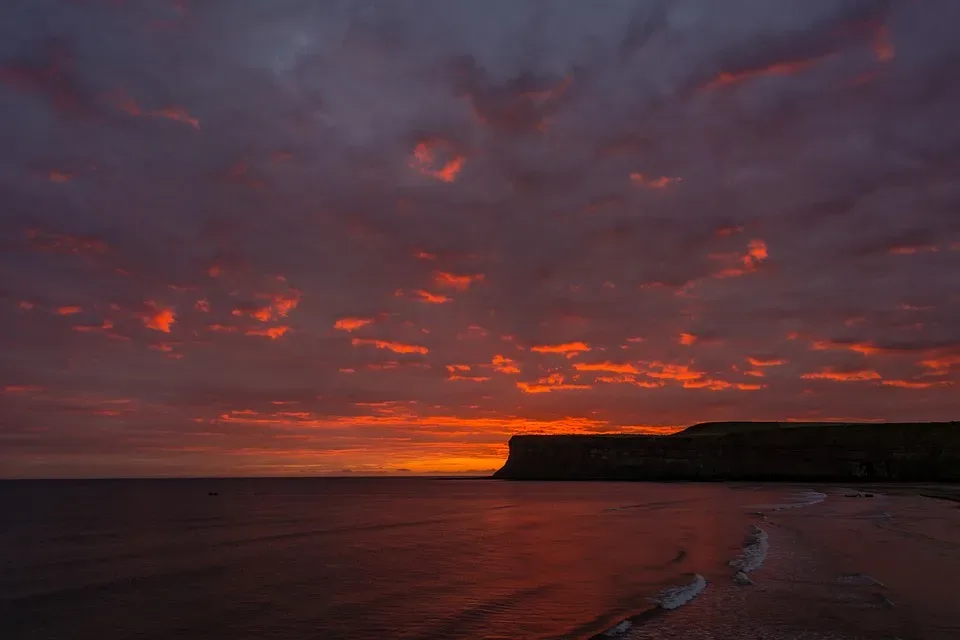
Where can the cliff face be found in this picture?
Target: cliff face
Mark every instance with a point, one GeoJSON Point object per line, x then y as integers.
{"type": "Point", "coordinates": [917, 452]}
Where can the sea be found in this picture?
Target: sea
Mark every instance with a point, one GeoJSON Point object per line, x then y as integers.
{"type": "Point", "coordinates": [439, 558]}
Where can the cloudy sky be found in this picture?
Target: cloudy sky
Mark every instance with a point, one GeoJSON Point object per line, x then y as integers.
{"type": "Point", "coordinates": [285, 237]}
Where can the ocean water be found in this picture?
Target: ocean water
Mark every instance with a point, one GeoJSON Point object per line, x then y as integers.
{"type": "Point", "coordinates": [413, 558]}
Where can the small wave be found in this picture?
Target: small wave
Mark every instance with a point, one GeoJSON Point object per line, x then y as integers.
{"type": "Point", "coordinates": [675, 597]}
{"type": "Point", "coordinates": [802, 499]}
{"type": "Point", "coordinates": [618, 630]}
{"type": "Point", "coordinates": [754, 551]}
{"type": "Point", "coordinates": [859, 579]}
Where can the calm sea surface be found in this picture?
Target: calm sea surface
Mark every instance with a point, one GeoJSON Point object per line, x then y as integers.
{"type": "Point", "coordinates": [359, 558]}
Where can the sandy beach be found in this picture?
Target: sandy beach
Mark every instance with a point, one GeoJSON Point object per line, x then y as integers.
{"type": "Point", "coordinates": [879, 567]}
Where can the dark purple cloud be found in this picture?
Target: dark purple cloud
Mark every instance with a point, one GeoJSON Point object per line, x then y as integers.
{"type": "Point", "coordinates": [196, 193]}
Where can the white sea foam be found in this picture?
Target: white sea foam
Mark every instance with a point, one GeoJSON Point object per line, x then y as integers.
{"type": "Point", "coordinates": [754, 551]}
{"type": "Point", "coordinates": [618, 630]}
{"type": "Point", "coordinates": [675, 597]}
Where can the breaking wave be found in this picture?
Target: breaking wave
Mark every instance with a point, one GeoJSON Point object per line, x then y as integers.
{"type": "Point", "coordinates": [754, 551]}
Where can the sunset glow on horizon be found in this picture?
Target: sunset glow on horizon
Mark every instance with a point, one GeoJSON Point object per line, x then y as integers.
{"type": "Point", "coordinates": [288, 240]}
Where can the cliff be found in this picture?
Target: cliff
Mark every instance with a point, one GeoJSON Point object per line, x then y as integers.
{"type": "Point", "coordinates": [915, 452]}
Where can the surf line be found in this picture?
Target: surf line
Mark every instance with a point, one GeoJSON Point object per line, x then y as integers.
{"type": "Point", "coordinates": [752, 555]}
{"type": "Point", "coordinates": [666, 600]}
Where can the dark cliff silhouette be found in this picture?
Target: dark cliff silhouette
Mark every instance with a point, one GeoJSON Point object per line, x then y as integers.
{"type": "Point", "coordinates": [915, 452]}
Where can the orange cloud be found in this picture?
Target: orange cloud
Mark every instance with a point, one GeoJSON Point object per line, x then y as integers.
{"type": "Point", "coordinates": [755, 373]}
{"type": "Point", "coordinates": [26, 305]}
{"type": "Point", "coordinates": [454, 281]}
{"type": "Point", "coordinates": [843, 376]}
{"type": "Point", "coordinates": [396, 347]}
{"type": "Point", "coordinates": [720, 385]}
{"type": "Point", "coordinates": [159, 318]}
{"type": "Point", "coordinates": [279, 306]}
{"type": "Point", "coordinates": [270, 332]}
{"type": "Point", "coordinates": [69, 311]}
{"type": "Point", "coordinates": [755, 255]}
{"type": "Point", "coordinates": [781, 69]}
{"type": "Point", "coordinates": [678, 372]}
{"type": "Point", "coordinates": [756, 252]}
{"type": "Point", "coordinates": [910, 384]}
{"type": "Point", "coordinates": [423, 255]}
{"type": "Point", "coordinates": [453, 368]}
{"type": "Point", "coordinates": [202, 305]}
{"type": "Point", "coordinates": [865, 348]}
{"type": "Point", "coordinates": [222, 328]}
{"type": "Point", "coordinates": [468, 378]}
{"type": "Point", "coordinates": [553, 382]}
{"type": "Point", "coordinates": [687, 339]}
{"type": "Point", "coordinates": [941, 364]}
{"type": "Point", "coordinates": [351, 324]}
{"type": "Point", "coordinates": [657, 183]}
{"type": "Point", "coordinates": [629, 379]}
{"type": "Point", "coordinates": [609, 367]}
{"type": "Point", "coordinates": [567, 348]}
{"type": "Point", "coordinates": [59, 177]}
{"type": "Point", "coordinates": [431, 298]}
{"type": "Point", "coordinates": [504, 365]}
{"type": "Point", "coordinates": [760, 362]}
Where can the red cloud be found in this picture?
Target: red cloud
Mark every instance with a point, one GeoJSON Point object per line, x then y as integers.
{"type": "Point", "coordinates": [22, 388]}
{"type": "Point", "coordinates": [69, 311]}
{"type": "Point", "coordinates": [883, 49]}
{"type": "Point", "coordinates": [760, 362]}
{"type": "Point", "coordinates": [426, 162]}
{"type": "Point", "coordinates": [782, 69]}
{"type": "Point", "coordinates": [432, 298]}
{"type": "Point", "coordinates": [177, 114]}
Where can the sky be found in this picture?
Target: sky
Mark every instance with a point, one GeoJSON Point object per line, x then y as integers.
{"type": "Point", "coordinates": [242, 237]}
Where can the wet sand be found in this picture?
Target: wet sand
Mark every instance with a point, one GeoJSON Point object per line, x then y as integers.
{"type": "Point", "coordinates": [874, 568]}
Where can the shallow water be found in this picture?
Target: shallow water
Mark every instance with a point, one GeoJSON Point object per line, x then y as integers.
{"type": "Point", "coordinates": [427, 558]}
